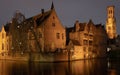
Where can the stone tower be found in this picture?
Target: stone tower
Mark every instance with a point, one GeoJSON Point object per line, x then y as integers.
{"type": "Point", "coordinates": [111, 23]}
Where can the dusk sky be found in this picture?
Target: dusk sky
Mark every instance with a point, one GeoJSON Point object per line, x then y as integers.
{"type": "Point", "coordinates": [68, 11]}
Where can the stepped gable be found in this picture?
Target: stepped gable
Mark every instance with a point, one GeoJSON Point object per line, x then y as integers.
{"type": "Point", "coordinates": [82, 26]}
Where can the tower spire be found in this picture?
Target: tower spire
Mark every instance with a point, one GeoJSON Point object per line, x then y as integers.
{"type": "Point", "coordinates": [52, 6]}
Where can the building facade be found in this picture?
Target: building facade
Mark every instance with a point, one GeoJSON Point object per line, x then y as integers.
{"type": "Point", "coordinates": [4, 43]}
{"type": "Point", "coordinates": [45, 32]}
{"type": "Point", "coordinates": [93, 43]}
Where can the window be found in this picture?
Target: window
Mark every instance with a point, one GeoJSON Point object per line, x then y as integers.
{"type": "Point", "coordinates": [62, 36]}
{"type": "Point", "coordinates": [7, 47]}
{"type": "Point", "coordinates": [85, 42]}
{"type": "Point", "coordinates": [90, 42]}
{"type": "Point", "coordinates": [58, 35]}
{"type": "Point", "coordinates": [53, 24]}
{"type": "Point", "coordinates": [2, 46]}
{"type": "Point", "coordinates": [85, 35]}
{"type": "Point", "coordinates": [2, 35]}
{"type": "Point", "coordinates": [91, 36]}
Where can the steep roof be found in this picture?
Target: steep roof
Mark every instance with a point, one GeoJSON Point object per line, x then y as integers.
{"type": "Point", "coordinates": [40, 18]}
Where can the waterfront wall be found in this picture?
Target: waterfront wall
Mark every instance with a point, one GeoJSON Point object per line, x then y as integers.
{"type": "Point", "coordinates": [46, 57]}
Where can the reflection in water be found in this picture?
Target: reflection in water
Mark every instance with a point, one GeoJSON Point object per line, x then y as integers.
{"type": "Point", "coordinates": [82, 67]}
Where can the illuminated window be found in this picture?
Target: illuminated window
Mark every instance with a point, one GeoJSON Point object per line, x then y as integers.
{"type": "Point", "coordinates": [58, 35]}
{"type": "Point", "coordinates": [91, 36]}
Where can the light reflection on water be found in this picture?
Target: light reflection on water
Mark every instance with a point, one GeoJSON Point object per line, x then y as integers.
{"type": "Point", "coordinates": [82, 67]}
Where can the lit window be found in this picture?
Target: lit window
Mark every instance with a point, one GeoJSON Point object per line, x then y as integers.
{"type": "Point", "coordinates": [58, 35]}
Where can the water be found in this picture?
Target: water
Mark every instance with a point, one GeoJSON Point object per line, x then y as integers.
{"type": "Point", "coordinates": [82, 67]}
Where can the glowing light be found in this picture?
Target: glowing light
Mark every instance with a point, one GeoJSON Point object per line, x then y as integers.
{"type": "Point", "coordinates": [18, 27]}
{"type": "Point", "coordinates": [108, 49]}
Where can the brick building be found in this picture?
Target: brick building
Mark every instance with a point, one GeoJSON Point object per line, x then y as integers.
{"type": "Point", "coordinates": [41, 33]}
{"type": "Point", "coordinates": [92, 43]}
{"type": "Point", "coordinates": [4, 42]}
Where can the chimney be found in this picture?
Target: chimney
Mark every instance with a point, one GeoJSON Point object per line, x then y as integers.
{"type": "Point", "coordinates": [42, 10]}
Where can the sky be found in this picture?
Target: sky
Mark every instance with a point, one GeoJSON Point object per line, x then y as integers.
{"type": "Point", "coordinates": [68, 11]}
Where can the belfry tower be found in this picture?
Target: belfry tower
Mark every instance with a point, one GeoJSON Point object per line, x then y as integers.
{"type": "Point", "coordinates": [111, 23]}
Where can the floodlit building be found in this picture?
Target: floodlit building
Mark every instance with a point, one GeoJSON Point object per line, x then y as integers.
{"type": "Point", "coordinates": [41, 33]}
{"type": "Point", "coordinates": [4, 42]}
{"type": "Point", "coordinates": [47, 31]}
{"type": "Point", "coordinates": [111, 23]}
{"type": "Point", "coordinates": [92, 43]}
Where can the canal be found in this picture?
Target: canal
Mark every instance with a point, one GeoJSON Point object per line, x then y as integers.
{"type": "Point", "coordinates": [82, 67]}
